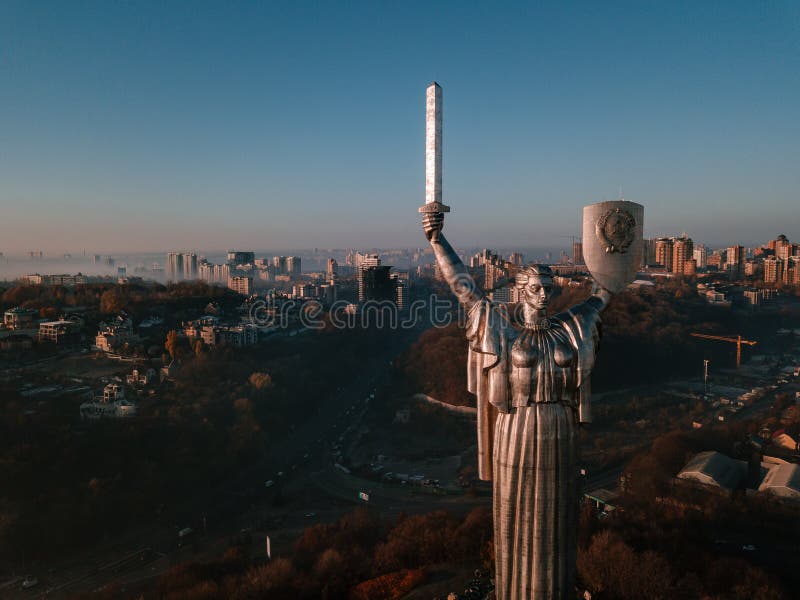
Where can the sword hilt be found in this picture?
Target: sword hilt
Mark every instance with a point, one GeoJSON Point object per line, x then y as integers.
{"type": "Point", "coordinates": [434, 207]}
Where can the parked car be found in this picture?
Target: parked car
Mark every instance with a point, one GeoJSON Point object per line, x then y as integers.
{"type": "Point", "coordinates": [29, 582]}
{"type": "Point", "coordinates": [184, 535]}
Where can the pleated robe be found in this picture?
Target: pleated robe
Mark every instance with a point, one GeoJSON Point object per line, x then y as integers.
{"type": "Point", "coordinates": [528, 410]}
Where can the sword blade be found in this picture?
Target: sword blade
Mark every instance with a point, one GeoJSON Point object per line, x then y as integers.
{"type": "Point", "coordinates": [433, 144]}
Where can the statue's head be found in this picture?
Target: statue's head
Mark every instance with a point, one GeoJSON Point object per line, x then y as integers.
{"type": "Point", "coordinates": [535, 283]}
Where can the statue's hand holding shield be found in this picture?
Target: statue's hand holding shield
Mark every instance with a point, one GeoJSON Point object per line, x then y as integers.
{"type": "Point", "coordinates": [613, 242]}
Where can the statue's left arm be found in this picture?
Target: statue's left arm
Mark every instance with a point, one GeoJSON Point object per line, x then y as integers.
{"type": "Point", "coordinates": [601, 297]}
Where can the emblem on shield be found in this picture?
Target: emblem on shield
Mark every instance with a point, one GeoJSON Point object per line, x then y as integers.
{"type": "Point", "coordinates": [615, 229]}
{"type": "Point", "coordinates": [613, 242]}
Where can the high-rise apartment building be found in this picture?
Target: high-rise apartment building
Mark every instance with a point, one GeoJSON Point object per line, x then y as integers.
{"type": "Point", "coordinates": [773, 270]}
{"type": "Point", "coordinates": [190, 265]}
{"type": "Point", "coordinates": [293, 266]}
{"type": "Point", "coordinates": [205, 271]}
{"type": "Point", "coordinates": [174, 266]}
{"type": "Point", "coordinates": [700, 256]}
{"type": "Point", "coordinates": [682, 250]}
{"type": "Point", "coordinates": [577, 253]}
{"type": "Point", "coordinates": [785, 250]}
{"type": "Point", "coordinates": [664, 253]}
{"type": "Point", "coordinates": [751, 268]}
{"type": "Point", "coordinates": [483, 257]}
{"type": "Point", "coordinates": [279, 263]}
{"type": "Point", "coordinates": [780, 246]}
{"type": "Point", "coordinates": [360, 260]}
{"type": "Point", "coordinates": [214, 273]}
{"type": "Point", "coordinates": [793, 270]}
{"type": "Point", "coordinates": [236, 257]}
{"type": "Point", "coordinates": [495, 270]}
{"type": "Point", "coordinates": [375, 283]}
{"type": "Point", "coordinates": [401, 292]}
{"type": "Point", "coordinates": [333, 268]}
{"type": "Point", "coordinates": [649, 251]}
{"type": "Point", "coordinates": [241, 285]}
{"type": "Point", "coordinates": [369, 260]}
{"type": "Point", "coordinates": [734, 261]}
{"type": "Point", "coordinates": [715, 261]}
{"type": "Point", "coordinates": [366, 262]}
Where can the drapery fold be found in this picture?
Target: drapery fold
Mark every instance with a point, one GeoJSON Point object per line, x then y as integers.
{"type": "Point", "coordinates": [489, 335]}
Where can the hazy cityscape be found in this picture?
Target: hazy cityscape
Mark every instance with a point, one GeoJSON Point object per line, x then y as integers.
{"type": "Point", "coordinates": [413, 302]}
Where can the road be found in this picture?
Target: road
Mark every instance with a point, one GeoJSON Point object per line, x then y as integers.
{"type": "Point", "coordinates": [605, 479]}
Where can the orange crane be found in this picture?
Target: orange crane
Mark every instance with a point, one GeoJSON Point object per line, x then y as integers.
{"type": "Point", "coordinates": [735, 340]}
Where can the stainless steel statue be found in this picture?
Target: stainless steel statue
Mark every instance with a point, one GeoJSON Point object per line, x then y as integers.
{"type": "Point", "coordinates": [532, 386]}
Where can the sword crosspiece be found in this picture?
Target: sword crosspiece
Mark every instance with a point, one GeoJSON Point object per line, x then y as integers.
{"type": "Point", "coordinates": [433, 151]}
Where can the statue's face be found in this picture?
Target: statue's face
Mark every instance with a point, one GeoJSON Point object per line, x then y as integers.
{"type": "Point", "coordinates": [538, 291]}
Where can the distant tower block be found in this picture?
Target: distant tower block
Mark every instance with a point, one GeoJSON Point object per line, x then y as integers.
{"type": "Point", "coordinates": [577, 253]}
{"type": "Point", "coordinates": [433, 151]}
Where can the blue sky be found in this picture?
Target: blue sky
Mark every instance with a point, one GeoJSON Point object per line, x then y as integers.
{"type": "Point", "coordinates": [190, 125]}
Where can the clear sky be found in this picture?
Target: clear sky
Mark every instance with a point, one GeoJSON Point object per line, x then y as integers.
{"type": "Point", "coordinates": [128, 126]}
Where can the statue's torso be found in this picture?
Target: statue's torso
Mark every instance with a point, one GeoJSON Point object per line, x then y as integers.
{"type": "Point", "coordinates": [542, 366]}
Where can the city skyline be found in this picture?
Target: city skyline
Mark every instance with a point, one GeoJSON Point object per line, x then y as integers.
{"type": "Point", "coordinates": [139, 128]}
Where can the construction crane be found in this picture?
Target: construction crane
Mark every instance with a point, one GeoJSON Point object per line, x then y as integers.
{"type": "Point", "coordinates": [734, 340]}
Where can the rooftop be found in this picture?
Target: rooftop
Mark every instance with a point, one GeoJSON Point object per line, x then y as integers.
{"type": "Point", "coordinates": [783, 480]}
{"type": "Point", "coordinates": [22, 311]}
{"type": "Point", "coordinates": [715, 468]}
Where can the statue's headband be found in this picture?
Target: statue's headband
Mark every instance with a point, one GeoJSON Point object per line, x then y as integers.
{"type": "Point", "coordinates": [533, 272]}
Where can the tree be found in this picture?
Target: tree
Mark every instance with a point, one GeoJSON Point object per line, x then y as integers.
{"type": "Point", "coordinates": [390, 586]}
{"type": "Point", "coordinates": [261, 381]}
{"type": "Point", "coordinates": [276, 580]}
{"type": "Point", "coordinates": [330, 571]}
{"type": "Point", "coordinates": [111, 302]}
{"type": "Point", "coordinates": [612, 566]}
{"type": "Point", "coordinates": [172, 343]}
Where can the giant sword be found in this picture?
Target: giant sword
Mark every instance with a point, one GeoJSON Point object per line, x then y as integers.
{"type": "Point", "coordinates": [433, 151]}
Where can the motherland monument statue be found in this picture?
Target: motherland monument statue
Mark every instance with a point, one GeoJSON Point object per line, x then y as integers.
{"type": "Point", "coordinates": [532, 382]}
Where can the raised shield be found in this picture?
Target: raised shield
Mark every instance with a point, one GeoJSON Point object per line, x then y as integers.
{"type": "Point", "coordinates": [613, 242]}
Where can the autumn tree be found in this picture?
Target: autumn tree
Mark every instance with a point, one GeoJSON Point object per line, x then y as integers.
{"type": "Point", "coordinates": [612, 567]}
{"type": "Point", "coordinates": [172, 344]}
{"type": "Point", "coordinates": [260, 381]}
{"type": "Point", "coordinates": [437, 365]}
{"type": "Point", "coordinates": [111, 302]}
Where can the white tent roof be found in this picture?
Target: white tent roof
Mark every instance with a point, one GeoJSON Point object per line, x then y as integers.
{"type": "Point", "coordinates": [782, 480]}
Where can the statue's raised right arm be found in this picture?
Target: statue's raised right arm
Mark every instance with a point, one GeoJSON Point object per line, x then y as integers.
{"type": "Point", "coordinates": [454, 271]}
